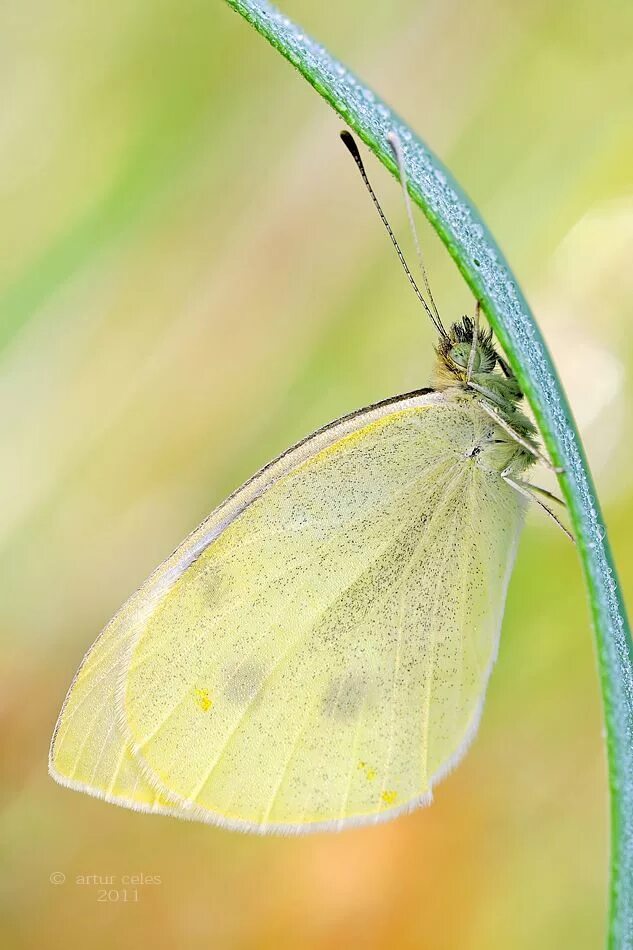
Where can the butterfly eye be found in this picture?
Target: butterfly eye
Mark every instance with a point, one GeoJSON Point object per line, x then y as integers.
{"type": "Point", "coordinates": [459, 354]}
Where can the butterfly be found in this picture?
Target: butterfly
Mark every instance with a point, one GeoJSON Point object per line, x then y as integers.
{"type": "Point", "coordinates": [316, 653]}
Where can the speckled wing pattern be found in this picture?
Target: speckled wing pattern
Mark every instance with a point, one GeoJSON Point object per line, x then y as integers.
{"type": "Point", "coordinates": [316, 653]}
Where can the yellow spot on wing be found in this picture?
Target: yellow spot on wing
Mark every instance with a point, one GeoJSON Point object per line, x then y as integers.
{"type": "Point", "coordinates": [370, 773]}
{"type": "Point", "coordinates": [203, 699]}
{"type": "Point", "coordinates": [389, 797]}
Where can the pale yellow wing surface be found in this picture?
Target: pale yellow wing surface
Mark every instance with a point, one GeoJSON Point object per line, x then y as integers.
{"type": "Point", "coordinates": [317, 652]}
{"type": "Point", "coordinates": [88, 752]}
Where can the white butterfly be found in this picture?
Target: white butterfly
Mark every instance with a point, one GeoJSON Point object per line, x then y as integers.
{"type": "Point", "coordinates": [316, 653]}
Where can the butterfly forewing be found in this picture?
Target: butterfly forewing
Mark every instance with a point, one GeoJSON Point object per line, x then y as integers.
{"type": "Point", "coordinates": [324, 659]}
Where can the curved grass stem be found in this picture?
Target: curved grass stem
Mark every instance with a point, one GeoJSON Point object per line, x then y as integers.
{"type": "Point", "coordinates": [492, 282]}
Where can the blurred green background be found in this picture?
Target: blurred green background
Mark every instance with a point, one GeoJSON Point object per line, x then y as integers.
{"type": "Point", "coordinates": [191, 279]}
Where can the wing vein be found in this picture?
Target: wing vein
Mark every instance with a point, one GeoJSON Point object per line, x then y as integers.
{"type": "Point", "coordinates": [340, 594]}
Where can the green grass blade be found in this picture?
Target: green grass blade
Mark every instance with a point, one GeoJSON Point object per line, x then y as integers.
{"type": "Point", "coordinates": [487, 273]}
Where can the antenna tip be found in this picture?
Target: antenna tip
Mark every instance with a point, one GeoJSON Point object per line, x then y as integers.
{"type": "Point", "coordinates": [350, 142]}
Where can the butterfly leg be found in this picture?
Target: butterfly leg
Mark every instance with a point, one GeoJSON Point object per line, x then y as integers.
{"type": "Point", "coordinates": [529, 491]}
{"type": "Point", "coordinates": [473, 348]}
{"type": "Point", "coordinates": [545, 493]}
{"type": "Point", "coordinates": [498, 418]}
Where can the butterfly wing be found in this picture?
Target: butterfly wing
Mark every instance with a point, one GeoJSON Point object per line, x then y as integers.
{"type": "Point", "coordinates": [317, 652]}
{"type": "Point", "coordinates": [88, 752]}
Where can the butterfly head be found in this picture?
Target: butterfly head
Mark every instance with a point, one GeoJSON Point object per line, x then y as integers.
{"type": "Point", "coordinates": [455, 350]}
{"type": "Point", "coordinates": [460, 363]}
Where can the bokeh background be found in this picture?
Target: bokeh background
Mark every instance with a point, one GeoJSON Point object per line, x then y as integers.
{"type": "Point", "coordinates": [191, 279]}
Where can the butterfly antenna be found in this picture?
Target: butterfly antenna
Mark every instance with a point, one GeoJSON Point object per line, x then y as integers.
{"type": "Point", "coordinates": [396, 148]}
{"type": "Point", "coordinates": [353, 149]}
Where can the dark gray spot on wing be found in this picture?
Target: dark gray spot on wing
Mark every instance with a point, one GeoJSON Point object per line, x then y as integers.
{"type": "Point", "coordinates": [243, 683]}
{"type": "Point", "coordinates": [344, 696]}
